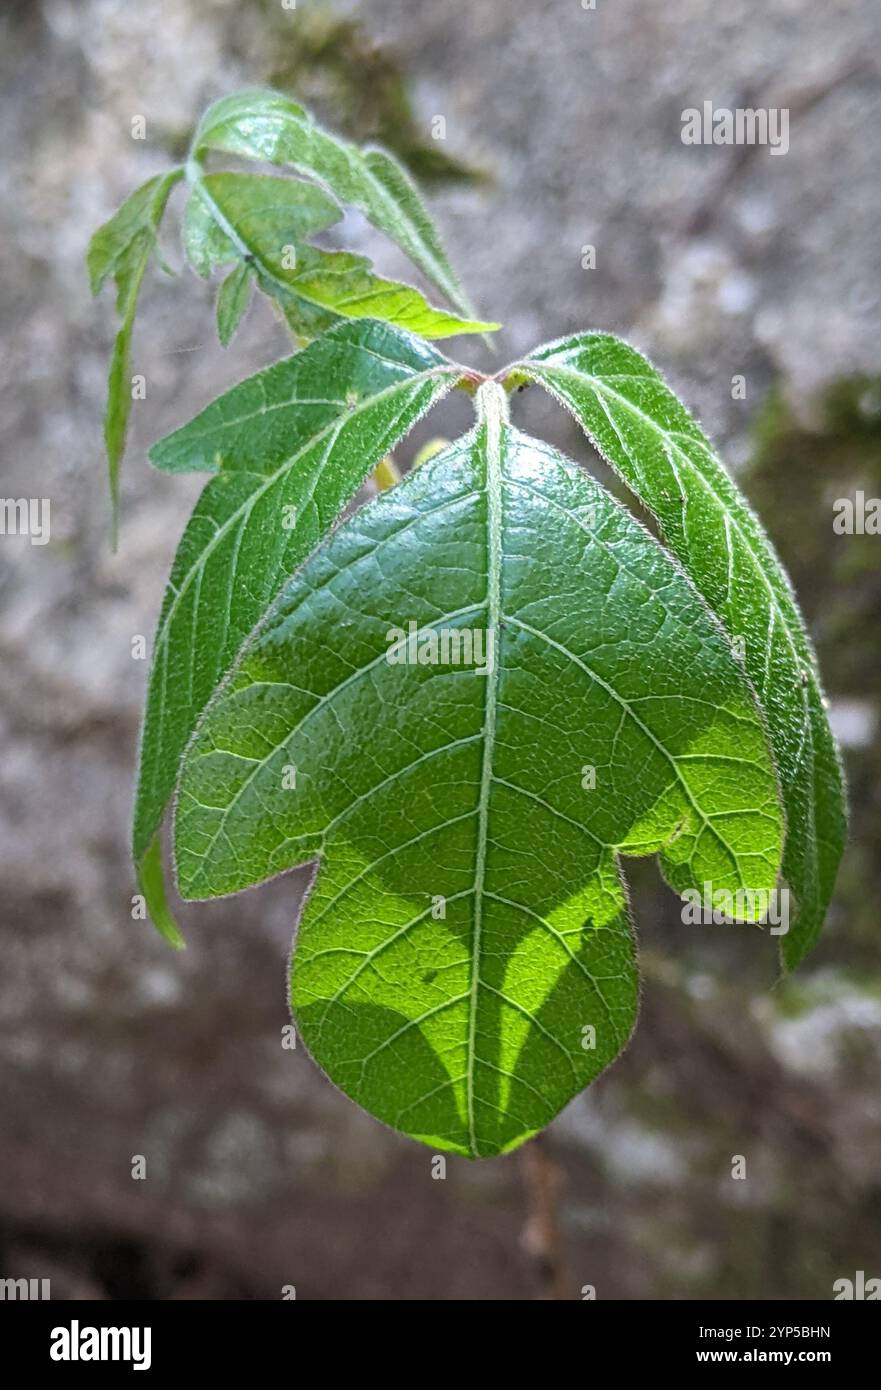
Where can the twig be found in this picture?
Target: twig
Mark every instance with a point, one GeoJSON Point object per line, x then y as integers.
{"type": "Point", "coordinates": [542, 1237]}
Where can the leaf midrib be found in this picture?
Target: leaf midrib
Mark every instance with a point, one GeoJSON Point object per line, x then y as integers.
{"type": "Point", "coordinates": [441, 274]}
{"type": "Point", "coordinates": [495, 407]}
{"type": "Point", "coordinates": [301, 288]}
{"type": "Point", "coordinates": [242, 513]}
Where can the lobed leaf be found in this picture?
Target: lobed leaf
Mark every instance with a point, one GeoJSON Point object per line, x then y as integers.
{"type": "Point", "coordinates": [233, 215]}
{"type": "Point", "coordinates": [205, 242]}
{"type": "Point", "coordinates": [290, 446]}
{"type": "Point", "coordinates": [464, 964]}
{"type": "Point", "coordinates": [344, 284]}
{"type": "Point", "coordinates": [265, 220]}
{"type": "Point", "coordinates": [268, 126]}
{"type": "Point", "coordinates": [646, 434]}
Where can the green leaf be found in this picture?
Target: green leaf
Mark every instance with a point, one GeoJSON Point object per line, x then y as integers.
{"type": "Point", "coordinates": [268, 126]}
{"type": "Point", "coordinates": [121, 249]}
{"type": "Point", "coordinates": [151, 882]}
{"type": "Point", "coordinates": [641, 428]}
{"type": "Point", "coordinates": [290, 446]}
{"type": "Point", "coordinates": [233, 298]}
{"type": "Point", "coordinates": [265, 219]}
{"type": "Point", "coordinates": [305, 320]}
{"type": "Point", "coordinates": [344, 284]}
{"type": "Point", "coordinates": [233, 215]}
{"type": "Point", "coordinates": [205, 243]}
{"type": "Point", "coordinates": [468, 927]}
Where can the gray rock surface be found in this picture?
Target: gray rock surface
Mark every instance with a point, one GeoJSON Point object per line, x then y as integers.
{"type": "Point", "coordinates": [259, 1173]}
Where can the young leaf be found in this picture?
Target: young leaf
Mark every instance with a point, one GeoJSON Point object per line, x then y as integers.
{"type": "Point", "coordinates": [205, 243]}
{"type": "Point", "coordinates": [419, 712]}
{"type": "Point", "coordinates": [344, 284]}
{"type": "Point", "coordinates": [646, 434]}
{"type": "Point", "coordinates": [233, 298]}
{"type": "Point", "coordinates": [305, 320]}
{"type": "Point", "coordinates": [268, 126]}
{"type": "Point", "coordinates": [233, 215]}
{"type": "Point", "coordinates": [265, 220]}
{"type": "Point", "coordinates": [290, 446]}
{"type": "Point", "coordinates": [121, 248]}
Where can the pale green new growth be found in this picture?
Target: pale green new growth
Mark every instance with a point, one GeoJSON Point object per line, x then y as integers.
{"type": "Point", "coordinates": [262, 225]}
{"type": "Point", "coordinates": [121, 249]}
{"type": "Point", "coordinates": [472, 700]}
{"type": "Point", "coordinates": [264, 221]}
{"type": "Point", "coordinates": [270, 127]}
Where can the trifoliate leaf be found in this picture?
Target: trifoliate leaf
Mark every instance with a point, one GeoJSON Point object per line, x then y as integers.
{"type": "Point", "coordinates": [472, 699]}
{"type": "Point", "coordinates": [268, 126]}
{"type": "Point", "coordinates": [266, 220]}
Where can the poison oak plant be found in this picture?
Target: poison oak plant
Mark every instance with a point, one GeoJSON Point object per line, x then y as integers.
{"type": "Point", "coordinates": [469, 701]}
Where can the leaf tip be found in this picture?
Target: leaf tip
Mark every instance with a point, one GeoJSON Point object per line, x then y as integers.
{"type": "Point", "coordinates": [151, 881]}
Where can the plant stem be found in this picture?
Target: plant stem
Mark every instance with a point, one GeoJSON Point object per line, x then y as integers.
{"type": "Point", "coordinates": [542, 1236]}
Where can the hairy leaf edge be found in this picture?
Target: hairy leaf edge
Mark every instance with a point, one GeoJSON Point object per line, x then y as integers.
{"type": "Point", "coordinates": [525, 368]}
{"type": "Point", "coordinates": [149, 871]}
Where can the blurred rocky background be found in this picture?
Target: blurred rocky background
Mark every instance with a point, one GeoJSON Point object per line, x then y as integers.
{"type": "Point", "coordinates": [562, 131]}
